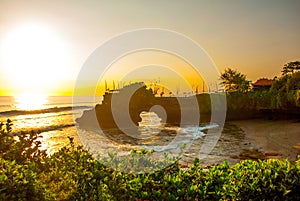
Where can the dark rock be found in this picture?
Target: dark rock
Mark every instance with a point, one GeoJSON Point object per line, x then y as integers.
{"type": "Point", "coordinates": [271, 153]}
{"type": "Point", "coordinates": [251, 154]}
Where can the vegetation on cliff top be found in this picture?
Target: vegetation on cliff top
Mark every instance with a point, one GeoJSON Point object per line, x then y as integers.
{"type": "Point", "coordinates": [283, 93]}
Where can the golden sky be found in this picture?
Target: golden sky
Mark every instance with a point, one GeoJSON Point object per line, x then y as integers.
{"type": "Point", "coordinates": [44, 44]}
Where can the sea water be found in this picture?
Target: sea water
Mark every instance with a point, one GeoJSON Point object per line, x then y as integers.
{"type": "Point", "coordinates": [55, 119]}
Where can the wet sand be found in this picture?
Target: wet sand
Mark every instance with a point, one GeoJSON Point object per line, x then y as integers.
{"type": "Point", "coordinates": [251, 139]}
{"type": "Point", "coordinates": [228, 147]}
{"type": "Point", "coordinates": [275, 139]}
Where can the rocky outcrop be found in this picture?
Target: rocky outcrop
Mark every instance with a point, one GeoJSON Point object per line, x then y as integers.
{"type": "Point", "coordinates": [122, 108]}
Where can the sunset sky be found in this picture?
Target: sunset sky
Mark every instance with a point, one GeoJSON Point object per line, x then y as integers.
{"type": "Point", "coordinates": [43, 44]}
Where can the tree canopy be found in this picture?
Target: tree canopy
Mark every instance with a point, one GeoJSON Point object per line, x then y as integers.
{"type": "Point", "coordinates": [234, 81]}
{"type": "Point", "coordinates": [291, 67]}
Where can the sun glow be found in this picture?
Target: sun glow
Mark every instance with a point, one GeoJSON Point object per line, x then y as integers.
{"type": "Point", "coordinates": [30, 101]}
{"type": "Point", "coordinates": [35, 58]}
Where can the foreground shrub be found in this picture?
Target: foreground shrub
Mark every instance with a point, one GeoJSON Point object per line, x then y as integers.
{"type": "Point", "coordinates": [73, 174]}
{"type": "Point", "coordinates": [23, 148]}
{"type": "Point", "coordinates": [268, 179]}
{"type": "Point", "coordinates": [20, 164]}
{"type": "Point", "coordinates": [20, 182]}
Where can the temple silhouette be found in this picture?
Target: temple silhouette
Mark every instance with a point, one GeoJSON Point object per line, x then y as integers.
{"type": "Point", "coordinates": [121, 108]}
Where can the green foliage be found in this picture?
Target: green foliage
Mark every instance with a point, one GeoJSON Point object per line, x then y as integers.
{"type": "Point", "coordinates": [284, 90]}
{"type": "Point", "coordinates": [283, 93]}
{"type": "Point", "coordinates": [247, 105]}
{"type": "Point", "coordinates": [20, 182]}
{"type": "Point", "coordinates": [262, 180]}
{"type": "Point", "coordinates": [73, 174]}
{"type": "Point", "coordinates": [139, 161]}
{"type": "Point", "coordinates": [20, 163]}
{"type": "Point", "coordinates": [22, 148]}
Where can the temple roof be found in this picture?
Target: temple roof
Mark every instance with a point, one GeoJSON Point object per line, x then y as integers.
{"type": "Point", "coordinates": [263, 82]}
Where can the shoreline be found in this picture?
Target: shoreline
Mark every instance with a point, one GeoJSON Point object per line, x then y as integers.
{"type": "Point", "coordinates": [270, 138]}
{"type": "Point", "coordinates": [244, 139]}
{"type": "Point", "coordinates": [255, 139]}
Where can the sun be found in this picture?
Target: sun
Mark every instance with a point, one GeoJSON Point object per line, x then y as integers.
{"type": "Point", "coordinates": [34, 58]}
{"type": "Point", "coordinates": [30, 101]}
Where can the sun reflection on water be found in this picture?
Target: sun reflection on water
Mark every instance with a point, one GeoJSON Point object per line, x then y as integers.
{"type": "Point", "coordinates": [30, 101]}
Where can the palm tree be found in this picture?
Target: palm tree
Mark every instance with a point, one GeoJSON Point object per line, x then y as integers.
{"type": "Point", "coordinates": [234, 81]}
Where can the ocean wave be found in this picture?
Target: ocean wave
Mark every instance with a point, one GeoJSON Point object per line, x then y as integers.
{"type": "Point", "coordinates": [5, 105]}
{"type": "Point", "coordinates": [42, 111]}
{"type": "Point", "coordinates": [42, 129]}
{"type": "Point", "coordinates": [185, 135]}
{"type": "Point", "coordinates": [209, 126]}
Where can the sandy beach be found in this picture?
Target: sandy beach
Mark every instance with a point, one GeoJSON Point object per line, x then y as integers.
{"type": "Point", "coordinates": [274, 139]}
{"type": "Point", "coordinates": [252, 139]}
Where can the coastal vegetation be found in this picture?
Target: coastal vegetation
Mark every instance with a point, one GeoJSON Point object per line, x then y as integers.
{"type": "Point", "coordinates": [282, 95]}
{"type": "Point", "coordinates": [72, 173]}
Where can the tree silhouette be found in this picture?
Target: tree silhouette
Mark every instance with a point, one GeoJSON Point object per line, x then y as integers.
{"type": "Point", "coordinates": [291, 67]}
{"type": "Point", "coordinates": [234, 81]}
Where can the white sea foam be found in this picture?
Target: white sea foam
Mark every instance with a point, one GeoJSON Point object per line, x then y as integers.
{"type": "Point", "coordinates": [184, 136]}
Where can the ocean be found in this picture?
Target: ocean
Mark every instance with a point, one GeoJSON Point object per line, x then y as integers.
{"type": "Point", "coordinates": [54, 118]}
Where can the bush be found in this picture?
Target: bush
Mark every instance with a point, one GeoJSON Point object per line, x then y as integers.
{"type": "Point", "coordinates": [73, 174]}
{"type": "Point", "coordinates": [22, 148]}
{"type": "Point", "coordinates": [20, 182]}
